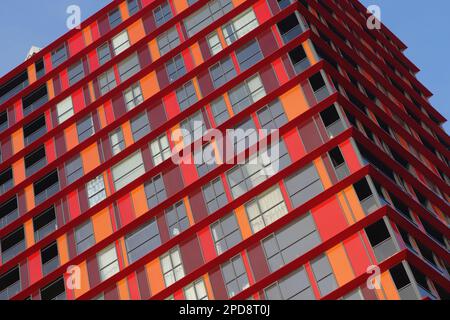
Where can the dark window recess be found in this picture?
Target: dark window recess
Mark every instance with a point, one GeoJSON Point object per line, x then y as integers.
{"type": "Point", "coordinates": [369, 157]}
{"type": "Point", "coordinates": [427, 254]}
{"type": "Point", "coordinates": [399, 159]}
{"type": "Point", "coordinates": [49, 258]}
{"type": "Point", "coordinates": [8, 212]}
{"type": "Point", "coordinates": [299, 59]}
{"type": "Point", "coordinates": [6, 180]}
{"type": "Point", "coordinates": [289, 28]}
{"type": "Point", "coordinates": [3, 120]}
{"type": "Point", "coordinates": [13, 86]}
{"type": "Point", "coordinates": [46, 187]}
{"type": "Point", "coordinates": [59, 55]}
{"type": "Point", "coordinates": [317, 82]}
{"type": "Point", "coordinates": [114, 18]}
{"type": "Point", "coordinates": [421, 279]}
{"type": "Point", "coordinates": [44, 224]}
{"type": "Point", "coordinates": [436, 235]}
{"type": "Point", "coordinates": [10, 284]}
{"type": "Point", "coordinates": [34, 100]}
{"type": "Point", "coordinates": [399, 276]}
{"type": "Point", "coordinates": [339, 164]}
{"type": "Point", "coordinates": [54, 291]}
{"type": "Point", "coordinates": [35, 161]}
{"type": "Point", "coordinates": [332, 121]}
{"type": "Point", "coordinates": [12, 244]}
{"type": "Point", "coordinates": [362, 189]}
{"type": "Point", "coordinates": [40, 68]}
{"type": "Point", "coordinates": [377, 233]}
{"type": "Point", "coordinates": [34, 130]}
{"type": "Point", "coordinates": [401, 207]}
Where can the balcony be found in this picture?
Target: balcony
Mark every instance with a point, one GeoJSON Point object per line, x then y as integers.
{"type": "Point", "coordinates": [42, 232]}
{"type": "Point", "coordinates": [46, 187]}
{"type": "Point", "coordinates": [384, 249]}
{"type": "Point", "coordinates": [13, 251]}
{"type": "Point", "coordinates": [6, 180]}
{"type": "Point", "coordinates": [34, 130]}
{"type": "Point", "coordinates": [8, 218]}
{"type": "Point", "coordinates": [369, 204]}
{"type": "Point", "coordinates": [407, 292]}
{"type": "Point", "coordinates": [47, 193]}
{"type": "Point", "coordinates": [321, 94]}
{"type": "Point", "coordinates": [35, 100]}
{"type": "Point", "coordinates": [335, 128]}
{"type": "Point", "coordinates": [35, 167]}
{"type": "Point", "coordinates": [13, 87]}
{"type": "Point", "coordinates": [342, 171]}
{"type": "Point", "coordinates": [302, 65]}
{"type": "Point", "coordinates": [50, 265]}
{"type": "Point", "coordinates": [10, 291]}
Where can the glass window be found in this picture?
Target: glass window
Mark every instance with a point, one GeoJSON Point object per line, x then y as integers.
{"type": "Point", "coordinates": [240, 26]}
{"type": "Point", "coordinates": [222, 72]}
{"type": "Point", "coordinates": [140, 126]}
{"type": "Point", "coordinates": [249, 55]}
{"type": "Point", "coordinates": [155, 191]}
{"type": "Point", "coordinates": [160, 149]}
{"type": "Point", "coordinates": [220, 111]}
{"type": "Point", "coordinates": [289, 28]}
{"type": "Point", "coordinates": [176, 218]}
{"type": "Point", "coordinates": [84, 237]}
{"type": "Point", "coordinates": [64, 110]}
{"type": "Point", "coordinates": [175, 68]}
{"type": "Point", "coordinates": [172, 267]}
{"type": "Point", "coordinates": [59, 55]}
{"type": "Point", "coordinates": [206, 15]}
{"type": "Point", "coordinates": [299, 59]}
{"type": "Point", "coordinates": [117, 141]}
{"type": "Point", "coordinates": [107, 81]}
{"type": "Point", "coordinates": [133, 96]}
{"type": "Point", "coordinates": [76, 72]}
{"type": "Point", "coordinates": [196, 291]}
{"type": "Point", "coordinates": [214, 195]}
{"type": "Point", "coordinates": [96, 191]}
{"type": "Point", "coordinates": [324, 275]}
{"type": "Point", "coordinates": [295, 286]}
{"type": "Point", "coordinates": [133, 6]}
{"type": "Point", "coordinates": [85, 128]}
{"type": "Point", "coordinates": [128, 170]}
{"type": "Point", "coordinates": [108, 264]}
{"type": "Point", "coordinates": [214, 43]}
{"type": "Point", "coordinates": [168, 41]}
{"type": "Point", "coordinates": [205, 159]}
{"type": "Point", "coordinates": [114, 18]}
{"type": "Point", "coordinates": [304, 185]}
{"type": "Point", "coordinates": [10, 284]}
{"type": "Point", "coordinates": [272, 116]}
{"type": "Point", "coordinates": [247, 93]}
{"type": "Point", "coordinates": [129, 67]}
{"type": "Point", "coordinates": [162, 14]}
{"type": "Point", "coordinates": [235, 276]}
{"type": "Point", "coordinates": [120, 42]}
{"type": "Point", "coordinates": [194, 128]}
{"type": "Point", "coordinates": [142, 241]}
{"type": "Point", "coordinates": [44, 224]}
{"type": "Point", "coordinates": [104, 53]}
{"type": "Point", "coordinates": [186, 95]}
{"type": "Point", "coordinates": [226, 233]}
{"type": "Point", "coordinates": [74, 170]}
{"type": "Point", "coordinates": [54, 291]}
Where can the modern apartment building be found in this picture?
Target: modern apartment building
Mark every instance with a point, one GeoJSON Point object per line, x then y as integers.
{"type": "Point", "coordinates": [92, 205]}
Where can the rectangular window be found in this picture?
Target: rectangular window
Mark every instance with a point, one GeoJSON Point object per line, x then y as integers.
{"type": "Point", "coordinates": [291, 242]}
{"type": "Point", "coordinates": [226, 233]}
{"type": "Point", "coordinates": [129, 67]}
{"type": "Point", "coordinates": [266, 209]}
{"type": "Point", "coordinates": [133, 96]}
{"type": "Point", "coordinates": [172, 267]}
{"type": "Point", "coordinates": [176, 218]}
{"type": "Point", "coordinates": [9, 211]}
{"type": "Point", "coordinates": [35, 100]}
{"type": "Point", "coordinates": [120, 42]}
{"type": "Point", "coordinates": [3, 121]}
{"type": "Point", "coordinates": [6, 180]}
{"type": "Point", "coordinates": [319, 87]}
{"type": "Point", "coordinates": [49, 258]}
{"type": "Point", "coordinates": [186, 95]}
{"type": "Point", "coordinates": [64, 110]}
{"type": "Point", "coordinates": [74, 170]}
{"type": "Point", "coordinates": [240, 26]}
{"type": "Point", "coordinates": [235, 276]}
{"type": "Point", "coordinates": [59, 55]}
{"type": "Point", "coordinates": [117, 141]}
{"type": "Point", "coordinates": [107, 81]}
{"type": "Point", "coordinates": [299, 59]}
{"type": "Point", "coordinates": [338, 162]}
{"type": "Point", "coordinates": [222, 72]}
{"type": "Point", "coordinates": [128, 170]}
{"type": "Point", "coordinates": [290, 28]}
{"type": "Point", "coordinates": [249, 55]}
{"type": "Point", "coordinates": [142, 241]}
{"type": "Point", "coordinates": [214, 195]}
{"type": "Point", "coordinates": [85, 128]}
{"type": "Point", "coordinates": [44, 224]}
{"type": "Point", "coordinates": [247, 93]}
{"type": "Point", "coordinates": [46, 187]}
{"type": "Point", "coordinates": [76, 72]}
{"type": "Point", "coordinates": [220, 111]}
{"type": "Point", "coordinates": [10, 284]}
{"type": "Point", "coordinates": [215, 46]}
{"type": "Point", "coordinates": [162, 14]}
{"type": "Point", "coordinates": [168, 41]}
{"type": "Point", "coordinates": [54, 291]}
{"type": "Point", "coordinates": [35, 161]}
{"type": "Point", "coordinates": [84, 237]}
{"type": "Point", "coordinates": [133, 6]}
{"type": "Point", "coordinates": [160, 149]}
{"type": "Point", "coordinates": [140, 126]}
{"type": "Point", "coordinates": [272, 116]}
{"type": "Point", "coordinates": [12, 244]}
{"type": "Point", "coordinates": [96, 191]}
{"type": "Point", "coordinates": [103, 53]}
{"type": "Point", "coordinates": [332, 121]}
{"type": "Point", "coordinates": [196, 291]}
{"type": "Point", "coordinates": [304, 185]}
{"type": "Point", "coordinates": [114, 18]}
{"type": "Point", "coordinates": [175, 68]}
{"type": "Point", "coordinates": [295, 286]}
{"type": "Point", "coordinates": [207, 15]}
{"type": "Point", "coordinates": [194, 128]}
{"type": "Point", "coordinates": [324, 275]}
{"type": "Point", "coordinates": [205, 159]}
{"type": "Point", "coordinates": [108, 264]}
{"type": "Point", "coordinates": [155, 191]}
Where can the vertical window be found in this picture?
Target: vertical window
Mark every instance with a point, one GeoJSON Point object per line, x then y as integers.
{"type": "Point", "coordinates": [168, 41]}
{"type": "Point", "coordinates": [6, 180]}
{"type": "Point", "coordinates": [205, 159]}
{"type": "Point", "coordinates": [76, 72]}
{"type": "Point", "coordinates": [46, 187]}
{"type": "Point", "coordinates": [133, 96]}
{"type": "Point", "coordinates": [96, 191]}
{"type": "Point", "coordinates": [12, 244]}
{"type": "Point", "coordinates": [162, 14]}
{"type": "Point", "coordinates": [155, 191]}
{"type": "Point", "coordinates": [235, 276]}
{"type": "Point", "coordinates": [214, 43]}
{"type": "Point", "coordinates": [186, 95]}
{"type": "Point", "coordinates": [108, 264]}
{"type": "Point", "coordinates": [240, 26]}
{"type": "Point", "coordinates": [120, 42]}
{"type": "Point", "coordinates": [319, 87]}
{"type": "Point", "coordinates": [114, 18]}
{"type": "Point", "coordinates": [272, 116]}
{"type": "Point", "coordinates": [64, 110]}
{"type": "Point", "coordinates": [324, 275]}
{"type": "Point", "coordinates": [196, 291]}
{"type": "Point", "coordinates": [194, 128]}
{"type": "Point", "coordinates": [176, 218]}
{"type": "Point", "coordinates": [128, 170]}
{"type": "Point", "coordinates": [84, 237]}
{"type": "Point", "coordinates": [289, 28]}
{"type": "Point", "coordinates": [117, 141]}
{"type": "Point", "coordinates": [247, 93]}
{"type": "Point", "coordinates": [85, 128]}
{"type": "Point", "coordinates": [332, 121]}
{"type": "Point", "coordinates": [74, 170]}
{"type": "Point", "coordinates": [160, 149]}
{"type": "Point", "coordinates": [172, 267]}
{"type": "Point", "coordinates": [54, 291]}
{"type": "Point", "coordinates": [49, 258]}
{"type": "Point", "coordinates": [220, 111]}
{"type": "Point", "coordinates": [140, 126]}
{"type": "Point", "coordinates": [295, 286]}
{"type": "Point", "coordinates": [142, 241]}
{"type": "Point", "coordinates": [266, 209]}
{"type": "Point", "coordinates": [175, 68]}
{"type": "Point", "coordinates": [35, 161]}
{"type": "Point", "coordinates": [9, 211]}
{"type": "Point", "coordinates": [249, 55]}
{"type": "Point", "coordinates": [107, 81]}
{"type": "Point", "coordinates": [299, 59]}
{"type": "Point", "coordinates": [226, 233]}
{"type": "Point", "coordinates": [10, 284]}
{"type": "Point", "coordinates": [103, 53]}
{"type": "Point", "coordinates": [339, 165]}
{"type": "Point", "coordinates": [3, 121]}
{"type": "Point", "coordinates": [222, 72]}
{"type": "Point", "coordinates": [304, 185]}
{"type": "Point", "coordinates": [133, 6]}
{"type": "Point", "coordinates": [129, 67]}
{"type": "Point", "coordinates": [209, 13]}
{"type": "Point", "coordinates": [214, 195]}
{"type": "Point", "coordinates": [59, 55]}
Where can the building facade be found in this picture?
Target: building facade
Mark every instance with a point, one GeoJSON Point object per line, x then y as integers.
{"type": "Point", "coordinates": [92, 205]}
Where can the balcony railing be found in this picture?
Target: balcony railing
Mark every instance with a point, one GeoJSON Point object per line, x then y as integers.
{"type": "Point", "coordinates": [11, 291]}
{"type": "Point", "coordinates": [321, 94]}
{"type": "Point", "coordinates": [13, 91]}
{"type": "Point", "coordinates": [35, 135]}
{"type": "Point", "coordinates": [407, 292]}
{"type": "Point", "coordinates": [35, 167]}
{"type": "Point", "coordinates": [10, 217]}
{"type": "Point", "coordinates": [45, 230]}
{"type": "Point", "coordinates": [6, 186]}
{"type": "Point", "coordinates": [292, 33]}
{"type": "Point", "coordinates": [302, 65]}
{"type": "Point", "coordinates": [60, 297]}
{"type": "Point", "coordinates": [47, 193]}
{"type": "Point", "coordinates": [369, 204]}
{"type": "Point", "coordinates": [13, 251]}
{"type": "Point", "coordinates": [35, 105]}
{"type": "Point", "coordinates": [50, 265]}
{"type": "Point", "coordinates": [335, 128]}
{"type": "Point", "coordinates": [342, 171]}
{"type": "Point", "coordinates": [384, 249]}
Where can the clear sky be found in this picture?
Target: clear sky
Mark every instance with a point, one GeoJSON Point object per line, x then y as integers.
{"type": "Point", "coordinates": [423, 26]}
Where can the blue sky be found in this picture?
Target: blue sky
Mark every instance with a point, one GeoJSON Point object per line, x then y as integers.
{"type": "Point", "coordinates": [423, 27]}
